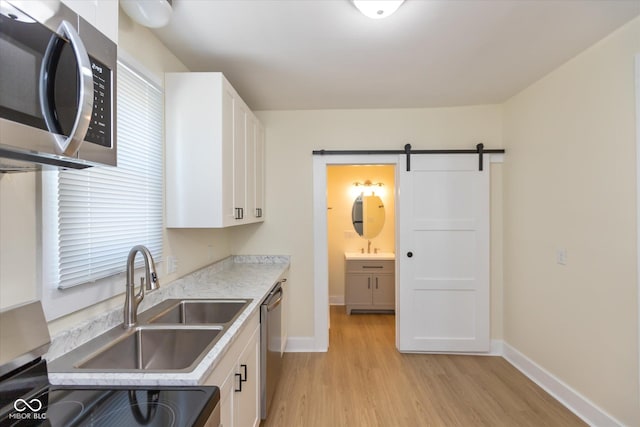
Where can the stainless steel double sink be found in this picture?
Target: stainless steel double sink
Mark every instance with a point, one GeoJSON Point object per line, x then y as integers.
{"type": "Point", "coordinates": [172, 336]}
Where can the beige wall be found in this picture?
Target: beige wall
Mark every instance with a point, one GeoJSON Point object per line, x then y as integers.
{"type": "Point", "coordinates": [341, 235]}
{"type": "Point", "coordinates": [292, 136]}
{"type": "Point", "coordinates": [18, 225]}
{"type": "Point", "coordinates": [570, 182]}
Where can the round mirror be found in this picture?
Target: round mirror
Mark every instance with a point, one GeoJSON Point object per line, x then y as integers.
{"type": "Point", "coordinates": [367, 216]}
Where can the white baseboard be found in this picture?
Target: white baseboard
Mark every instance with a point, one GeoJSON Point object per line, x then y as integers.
{"type": "Point", "coordinates": [494, 350]}
{"type": "Point", "coordinates": [336, 299]}
{"type": "Point", "coordinates": [497, 348]}
{"type": "Point", "coordinates": [574, 401]}
{"type": "Point", "coordinates": [302, 345]}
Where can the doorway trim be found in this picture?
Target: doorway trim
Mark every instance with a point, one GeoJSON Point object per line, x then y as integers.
{"type": "Point", "coordinates": [637, 84]}
{"type": "Point", "coordinates": [320, 241]}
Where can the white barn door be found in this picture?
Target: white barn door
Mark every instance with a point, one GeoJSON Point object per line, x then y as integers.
{"type": "Point", "coordinates": [443, 255]}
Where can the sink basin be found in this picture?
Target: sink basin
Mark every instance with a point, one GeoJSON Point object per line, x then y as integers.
{"type": "Point", "coordinates": [200, 312]}
{"type": "Point", "coordinates": [380, 256]}
{"type": "Point", "coordinates": [150, 348]}
{"type": "Point", "coordinates": [173, 336]}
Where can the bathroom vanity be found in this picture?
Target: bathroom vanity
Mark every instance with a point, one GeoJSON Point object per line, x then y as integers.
{"type": "Point", "coordinates": [370, 282]}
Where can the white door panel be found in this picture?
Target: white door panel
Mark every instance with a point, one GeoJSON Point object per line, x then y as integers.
{"type": "Point", "coordinates": [444, 285]}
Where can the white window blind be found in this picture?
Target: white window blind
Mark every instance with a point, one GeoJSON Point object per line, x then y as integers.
{"type": "Point", "coordinates": [104, 211]}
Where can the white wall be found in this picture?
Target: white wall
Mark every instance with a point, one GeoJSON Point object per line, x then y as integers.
{"type": "Point", "coordinates": [291, 136]}
{"type": "Point", "coordinates": [570, 182]}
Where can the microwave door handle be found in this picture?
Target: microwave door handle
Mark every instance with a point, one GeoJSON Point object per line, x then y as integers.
{"type": "Point", "coordinates": [64, 145]}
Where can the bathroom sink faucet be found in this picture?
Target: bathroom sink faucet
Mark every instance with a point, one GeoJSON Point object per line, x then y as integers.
{"type": "Point", "coordinates": [368, 246]}
{"type": "Point", "coordinates": [132, 300]}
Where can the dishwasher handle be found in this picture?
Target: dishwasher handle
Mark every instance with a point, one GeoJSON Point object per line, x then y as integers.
{"type": "Point", "coordinates": [271, 303]}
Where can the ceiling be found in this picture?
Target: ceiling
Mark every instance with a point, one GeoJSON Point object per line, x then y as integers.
{"type": "Point", "coordinates": [324, 54]}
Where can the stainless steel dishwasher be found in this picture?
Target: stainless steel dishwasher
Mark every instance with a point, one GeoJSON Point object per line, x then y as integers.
{"type": "Point", "coordinates": [270, 346]}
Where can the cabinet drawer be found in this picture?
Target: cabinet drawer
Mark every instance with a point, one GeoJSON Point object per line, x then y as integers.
{"type": "Point", "coordinates": [368, 266]}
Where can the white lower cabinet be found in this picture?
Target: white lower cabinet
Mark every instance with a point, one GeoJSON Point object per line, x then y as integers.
{"type": "Point", "coordinates": [238, 377]}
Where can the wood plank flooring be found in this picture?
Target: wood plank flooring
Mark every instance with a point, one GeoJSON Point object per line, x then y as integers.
{"type": "Point", "coordinates": [364, 381]}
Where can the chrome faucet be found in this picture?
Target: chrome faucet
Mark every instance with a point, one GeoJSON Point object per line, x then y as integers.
{"type": "Point", "coordinates": [132, 300]}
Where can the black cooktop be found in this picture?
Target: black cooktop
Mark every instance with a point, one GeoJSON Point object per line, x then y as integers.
{"type": "Point", "coordinates": [27, 399]}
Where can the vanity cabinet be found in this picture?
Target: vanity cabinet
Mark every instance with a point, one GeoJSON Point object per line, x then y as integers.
{"type": "Point", "coordinates": [369, 285]}
{"type": "Point", "coordinates": [238, 376]}
{"type": "Point", "coordinates": [214, 154]}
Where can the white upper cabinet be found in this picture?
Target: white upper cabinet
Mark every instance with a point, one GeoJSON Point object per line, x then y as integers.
{"type": "Point", "coordinates": [102, 14]}
{"type": "Point", "coordinates": [210, 156]}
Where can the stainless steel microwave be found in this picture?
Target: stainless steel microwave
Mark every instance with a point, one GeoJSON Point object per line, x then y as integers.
{"type": "Point", "coordinates": [57, 89]}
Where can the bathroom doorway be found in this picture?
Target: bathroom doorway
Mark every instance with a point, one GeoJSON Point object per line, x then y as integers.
{"type": "Point", "coordinates": [321, 303]}
{"type": "Point", "coordinates": [361, 239]}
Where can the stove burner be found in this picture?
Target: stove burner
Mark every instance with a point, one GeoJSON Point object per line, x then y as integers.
{"type": "Point", "coordinates": [110, 408]}
{"type": "Point", "coordinates": [26, 399]}
{"type": "Point", "coordinates": [161, 414]}
{"type": "Point", "coordinates": [60, 412]}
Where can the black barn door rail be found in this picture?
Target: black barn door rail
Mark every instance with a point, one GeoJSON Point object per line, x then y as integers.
{"type": "Point", "coordinates": [479, 150]}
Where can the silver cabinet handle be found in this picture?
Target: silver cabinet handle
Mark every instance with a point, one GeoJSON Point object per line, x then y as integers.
{"type": "Point", "coordinates": [273, 304]}
{"type": "Point", "coordinates": [68, 146]}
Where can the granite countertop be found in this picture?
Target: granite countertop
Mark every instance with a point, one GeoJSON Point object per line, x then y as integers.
{"type": "Point", "coordinates": [235, 277]}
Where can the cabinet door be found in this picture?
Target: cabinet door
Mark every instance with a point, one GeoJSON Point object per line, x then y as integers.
{"type": "Point", "coordinates": [227, 393]}
{"type": "Point", "coordinates": [247, 401]}
{"type": "Point", "coordinates": [259, 178]}
{"type": "Point", "coordinates": [227, 164]}
{"type": "Point", "coordinates": [102, 14]}
{"type": "Point", "coordinates": [84, 8]}
{"type": "Point", "coordinates": [250, 175]}
{"type": "Point", "coordinates": [359, 289]}
{"type": "Point", "coordinates": [284, 332]}
{"type": "Point", "coordinates": [384, 292]}
{"type": "Point", "coordinates": [107, 18]}
{"type": "Point", "coordinates": [239, 159]}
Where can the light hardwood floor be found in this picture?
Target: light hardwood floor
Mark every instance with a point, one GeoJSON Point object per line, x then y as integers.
{"type": "Point", "coordinates": [364, 381]}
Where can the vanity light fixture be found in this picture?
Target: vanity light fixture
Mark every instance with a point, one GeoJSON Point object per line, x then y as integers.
{"type": "Point", "coordinates": [368, 189]}
{"type": "Point", "coordinates": [377, 9]}
{"type": "Point", "coordinates": [368, 183]}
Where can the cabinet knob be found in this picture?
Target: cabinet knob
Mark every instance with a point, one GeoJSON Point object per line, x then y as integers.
{"type": "Point", "coordinates": [409, 254]}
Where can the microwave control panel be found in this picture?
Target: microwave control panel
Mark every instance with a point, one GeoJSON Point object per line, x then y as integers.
{"type": "Point", "coordinates": [99, 131]}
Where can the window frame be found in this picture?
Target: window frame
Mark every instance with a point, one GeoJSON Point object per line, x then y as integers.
{"type": "Point", "coordinates": [59, 302]}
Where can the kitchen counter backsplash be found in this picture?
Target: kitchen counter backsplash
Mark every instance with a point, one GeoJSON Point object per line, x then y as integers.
{"type": "Point", "coordinates": [239, 276]}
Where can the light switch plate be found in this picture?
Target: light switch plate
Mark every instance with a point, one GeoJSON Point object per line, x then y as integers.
{"type": "Point", "coordinates": [561, 256]}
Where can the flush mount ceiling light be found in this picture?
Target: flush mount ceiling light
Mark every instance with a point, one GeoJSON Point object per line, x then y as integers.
{"type": "Point", "coordinates": [377, 9]}
{"type": "Point", "coordinates": [150, 13]}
